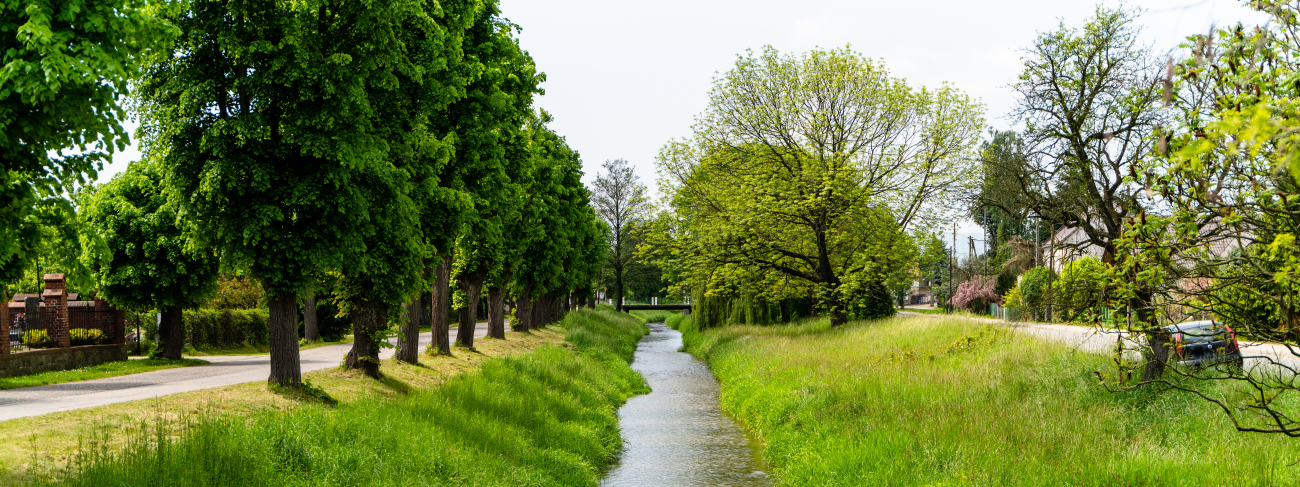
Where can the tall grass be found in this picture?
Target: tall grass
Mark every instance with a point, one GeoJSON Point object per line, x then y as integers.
{"type": "Point", "coordinates": [547, 417]}
{"type": "Point", "coordinates": [655, 315]}
{"type": "Point", "coordinates": [927, 401]}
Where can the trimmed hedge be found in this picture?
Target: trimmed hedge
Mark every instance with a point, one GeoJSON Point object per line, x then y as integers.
{"type": "Point", "coordinates": [211, 329]}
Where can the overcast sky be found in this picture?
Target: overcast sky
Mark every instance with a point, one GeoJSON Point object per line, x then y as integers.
{"type": "Point", "coordinates": [625, 77]}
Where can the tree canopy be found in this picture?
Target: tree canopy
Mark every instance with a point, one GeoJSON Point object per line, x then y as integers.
{"type": "Point", "coordinates": [806, 173]}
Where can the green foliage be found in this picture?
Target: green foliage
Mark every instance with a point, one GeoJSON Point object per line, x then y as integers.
{"type": "Point", "coordinates": [236, 292]}
{"type": "Point", "coordinates": [84, 336]}
{"type": "Point", "coordinates": [138, 246]}
{"type": "Point", "coordinates": [210, 329]}
{"type": "Point", "coordinates": [1012, 297]}
{"type": "Point", "coordinates": [64, 67]}
{"type": "Point", "coordinates": [784, 193]}
{"type": "Point", "coordinates": [37, 339]}
{"type": "Point", "coordinates": [1033, 291]}
{"type": "Point", "coordinates": [547, 417]}
{"type": "Point", "coordinates": [1079, 289]}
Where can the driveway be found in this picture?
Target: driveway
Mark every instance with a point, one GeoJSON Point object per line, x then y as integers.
{"type": "Point", "coordinates": [1271, 356]}
{"type": "Point", "coordinates": [222, 371]}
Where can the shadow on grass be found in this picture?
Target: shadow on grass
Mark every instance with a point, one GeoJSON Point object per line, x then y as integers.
{"type": "Point", "coordinates": [396, 385]}
{"type": "Point", "coordinates": [305, 393]}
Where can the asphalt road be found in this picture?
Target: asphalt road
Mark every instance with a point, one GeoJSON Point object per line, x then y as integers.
{"type": "Point", "coordinates": [222, 371]}
{"type": "Point", "coordinates": [1270, 357]}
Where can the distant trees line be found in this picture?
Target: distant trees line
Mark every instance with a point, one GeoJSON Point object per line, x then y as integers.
{"type": "Point", "coordinates": [386, 155]}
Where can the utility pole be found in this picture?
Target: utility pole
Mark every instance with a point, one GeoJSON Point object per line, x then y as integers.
{"type": "Point", "coordinates": [952, 255]}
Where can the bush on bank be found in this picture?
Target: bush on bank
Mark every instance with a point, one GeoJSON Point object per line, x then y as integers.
{"type": "Point", "coordinates": [547, 417]}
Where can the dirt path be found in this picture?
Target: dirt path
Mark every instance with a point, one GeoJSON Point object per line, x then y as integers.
{"type": "Point", "coordinates": [222, 371]}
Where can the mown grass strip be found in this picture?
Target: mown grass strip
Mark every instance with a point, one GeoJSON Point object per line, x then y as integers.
{"type": "Point", "coordinates": [925, 401]}
{"type": "Point", "coordinates": [101, 371]}
{"type": "Point", "coordinates": [547, 417]}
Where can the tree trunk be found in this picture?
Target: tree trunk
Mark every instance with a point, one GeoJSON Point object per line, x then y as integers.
{"type": "Point", "coordinates": [365, 348]}
{"type": "Point", "coordinates": [497, 312]}
{"type": "Point", "coordinates": [472, 284]}
{"type": "Point", "coordinates": [442, 307]}
{"type": "Point", "coordinates": [618, 291]}
{"type": "Point", "coordinates": [172, 332]}
{"type": "Point", "coordinates": [541, 312]}
{"type": "Point", "coordinates": [523, 312]}
{"type": "Point", "coordinates": [1157, 353]}
{"type": "Point", "coordinates": [286, 369]}
{"type": "Point", "coordinates": [591, 300]}
{"type": "Point", "coordinates": [408, 338]}
{"type": "Point", "coordinates": [311, 330]}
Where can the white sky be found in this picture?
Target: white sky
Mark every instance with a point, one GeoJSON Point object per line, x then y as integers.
{"type": "Point", "coordinates": [625, 77]}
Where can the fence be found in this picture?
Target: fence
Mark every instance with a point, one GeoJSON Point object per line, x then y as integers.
{"type": "Point", "coordinates": [57, 319]}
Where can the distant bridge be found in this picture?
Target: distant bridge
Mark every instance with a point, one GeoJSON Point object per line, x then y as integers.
{"type": "Point", "coordinates": [684, 308]}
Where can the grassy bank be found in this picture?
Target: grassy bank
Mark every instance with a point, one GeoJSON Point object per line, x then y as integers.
{"type": "Point", "coordinates": [544, 417]}
{"type": "Point", "coordinates": [101, 371]}
{"type": "Point", "coordinates": [655, 316]}
{"type": "Point", "coordinates": [949, 401]}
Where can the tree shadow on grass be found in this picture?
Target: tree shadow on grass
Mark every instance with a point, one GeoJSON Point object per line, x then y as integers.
{"type": "Point", "coordinates": [306, 393]}
{"type": "Point", "coordinates": [396, 385]}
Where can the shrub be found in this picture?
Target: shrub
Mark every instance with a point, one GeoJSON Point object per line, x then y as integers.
{"type": "Point", "coordinates": [236, 292]}
{"type": "Point", "coordinates": [977, 293]}
{"type": "Point", "coordinates": [209, 329]}
{"type": "Point", "coordinates": [1012, 298]}
{"type": "Point", "coordinates": [1033, 292]}
{"type": "Point", "coordinates": [86, 336]}
{"type": "Point", "coordinates": [37, 339]}
{"type": "Point", "coordinates": [1080, 286]}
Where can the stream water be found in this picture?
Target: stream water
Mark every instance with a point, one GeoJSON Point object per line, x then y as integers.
{"type": "Point", "coordinates": [678, 435]}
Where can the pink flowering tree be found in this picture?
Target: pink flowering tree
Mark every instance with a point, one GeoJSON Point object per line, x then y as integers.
{"type": "Point", "coordinates": [976, 294]}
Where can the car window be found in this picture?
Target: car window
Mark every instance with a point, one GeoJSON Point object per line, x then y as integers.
{"type": "Point", "coordinates": [1205, 334]}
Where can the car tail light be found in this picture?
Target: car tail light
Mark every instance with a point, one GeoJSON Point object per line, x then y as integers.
{"type": "Point", "coordinates": [1232, 336]}
{"type": "Point", "coordinates": [1178, 339]}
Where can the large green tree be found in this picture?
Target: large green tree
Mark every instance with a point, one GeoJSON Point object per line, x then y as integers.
{"type": "Point", "coordinates": [1090, 99]}
{"type": "Point", "coordinates": [262, 115]}
{"type": "Point", "coordinates": [64, 68]}
{"type": "Point", "coordinates": [490, 124]}
{"type": "Point", "coordinates": [808, 171]}
{"type": "Point", "coordinates": [141, 253]}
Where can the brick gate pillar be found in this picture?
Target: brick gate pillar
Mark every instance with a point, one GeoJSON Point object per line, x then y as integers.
{"type": "Point", "coordinates": [56, 310]}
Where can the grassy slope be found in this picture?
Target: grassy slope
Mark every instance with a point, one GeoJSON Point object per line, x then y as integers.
{"type": "Point", "coordinates": [655, 316]}
{"type": "Point", "coordinates": [101, 371]}
{"type": "Point", "coordinates": [544, 417]}
{"type": "Point", "coordinates": [925, 401]}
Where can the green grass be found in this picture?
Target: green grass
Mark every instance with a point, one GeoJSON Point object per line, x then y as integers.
{"type": "Point", "coordinates": [926, 401]}
{"type": "Point", "coordinates": [547, 417]}
{"type": "Point", "coordinates": [110, 369]}
{"type": "Point", "coordinates": [655, 316]}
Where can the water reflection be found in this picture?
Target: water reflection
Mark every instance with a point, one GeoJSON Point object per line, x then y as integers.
{"type": "Point", "coordinates": [677, 434]}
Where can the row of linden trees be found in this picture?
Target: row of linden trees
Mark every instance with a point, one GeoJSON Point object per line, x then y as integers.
{"type": "Point", "coordinates": [808, 176]}
{"type": "Point", "coordinates": [380, 153]}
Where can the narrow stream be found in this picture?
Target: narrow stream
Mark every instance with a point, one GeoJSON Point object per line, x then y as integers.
{"type": "Point", "coordinates": [678, 435]}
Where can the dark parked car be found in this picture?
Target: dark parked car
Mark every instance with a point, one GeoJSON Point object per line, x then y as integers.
{"type": "Point", "coordinates": [1204, 343]}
